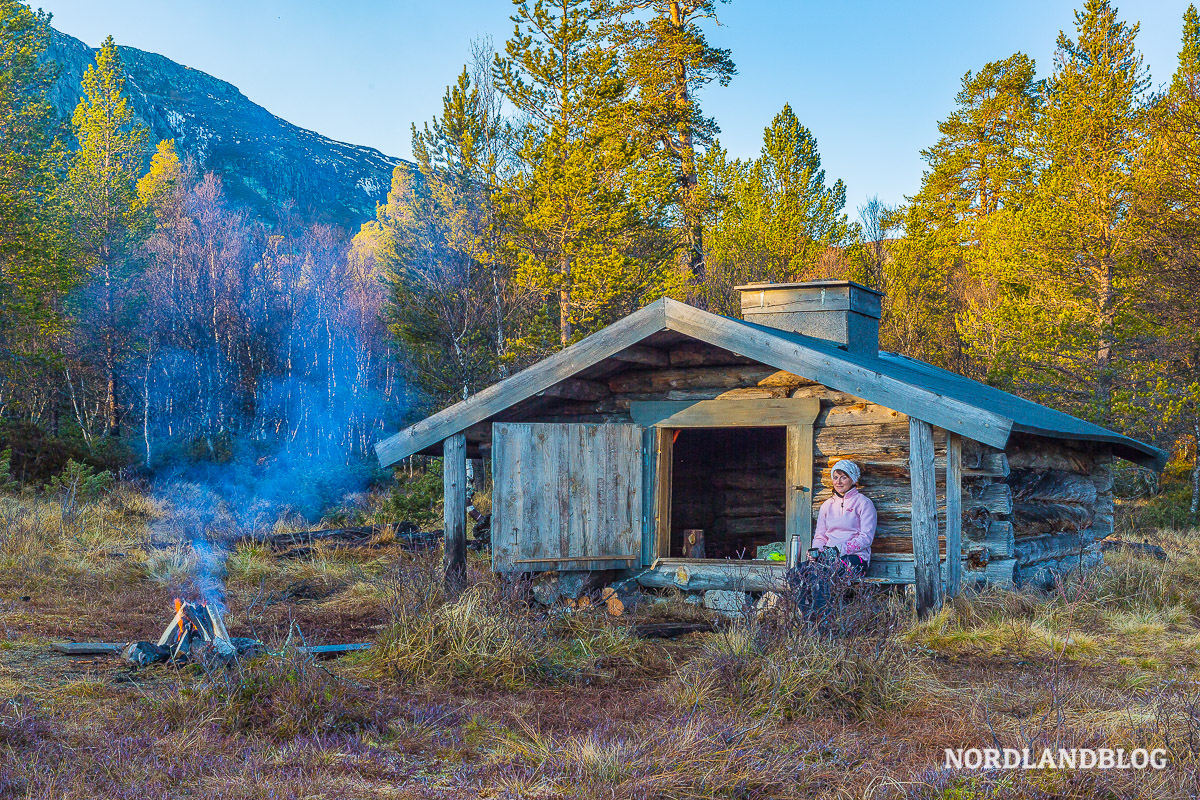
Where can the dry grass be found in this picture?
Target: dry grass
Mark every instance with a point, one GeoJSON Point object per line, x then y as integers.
{"type": "Point", "coordinates": [484, 695]}
{"type": "Point", "coordinates": [489, 636]}
{"type": "Point", "coordinates": [763, 672]}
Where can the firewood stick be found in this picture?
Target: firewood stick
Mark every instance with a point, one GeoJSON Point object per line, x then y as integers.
{"type": "Point", "coordinates": [172, 631]}
{"type": "Point", "coordinates": [194, 618]}
{"type": "Point", "coordinates": [217, 623]}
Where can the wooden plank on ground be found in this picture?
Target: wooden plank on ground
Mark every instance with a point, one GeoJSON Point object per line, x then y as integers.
{"type": "Point", "coordinates": [87, 648]}
{"type": "Point", "coordinates": [334, 649]}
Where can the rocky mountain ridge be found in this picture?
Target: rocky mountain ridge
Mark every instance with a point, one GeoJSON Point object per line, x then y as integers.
{"type": "Point", "coordinates": [266, 163]}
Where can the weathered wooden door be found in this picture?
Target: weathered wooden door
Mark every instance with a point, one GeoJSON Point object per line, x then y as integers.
{"type": "Point", "coordinates": [566, 496]}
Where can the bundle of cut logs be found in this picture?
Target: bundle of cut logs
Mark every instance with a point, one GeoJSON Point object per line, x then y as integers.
{"type": "Point", "coordinates": [196, 633]}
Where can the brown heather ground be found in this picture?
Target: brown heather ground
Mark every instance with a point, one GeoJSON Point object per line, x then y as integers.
{"type": "Point", "coordinates": [487, 697]}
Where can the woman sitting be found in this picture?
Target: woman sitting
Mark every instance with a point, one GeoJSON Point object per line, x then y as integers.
{"type": "Point", "coordinates": [841, 543]}
{"type": "Point", "coordinates": [846, 520]}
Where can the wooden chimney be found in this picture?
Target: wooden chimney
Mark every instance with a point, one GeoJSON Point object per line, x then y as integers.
{"type": "Point", "coordinates": [843, 312]}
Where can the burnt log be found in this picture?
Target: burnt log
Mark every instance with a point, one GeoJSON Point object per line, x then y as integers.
{"type": "Point", "coordinates": [143, 654]}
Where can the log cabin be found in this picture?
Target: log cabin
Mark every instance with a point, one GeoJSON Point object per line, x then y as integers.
{"type": "Point", "coordinates": [677, 420]}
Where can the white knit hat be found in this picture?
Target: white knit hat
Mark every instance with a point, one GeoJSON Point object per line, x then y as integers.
{"type": "Point", "coordinates": [848, 467]}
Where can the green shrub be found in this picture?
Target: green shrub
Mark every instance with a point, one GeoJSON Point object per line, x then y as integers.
{"type": "Point", "coordinates": [417, 499]}
{"type": "Point", "coordinates": [80, 482]}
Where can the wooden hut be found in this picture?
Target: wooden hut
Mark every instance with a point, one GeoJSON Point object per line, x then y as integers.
{"type": "Point", "coordinates": [674, 419]}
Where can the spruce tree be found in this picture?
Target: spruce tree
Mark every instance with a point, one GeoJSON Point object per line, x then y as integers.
{"type": "Point", "coordinates": [667, 60]}
{"type": "Point", "coordinates": [781, 219]}
{"type": "Point", "coordinates": [105, 219]}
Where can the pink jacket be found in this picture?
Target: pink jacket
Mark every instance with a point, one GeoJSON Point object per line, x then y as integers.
{"type": "Point", "coordinates": [847, 523]}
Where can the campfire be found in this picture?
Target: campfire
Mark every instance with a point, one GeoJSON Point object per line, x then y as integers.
{"type": "Point", "coordinates": [196, 633]}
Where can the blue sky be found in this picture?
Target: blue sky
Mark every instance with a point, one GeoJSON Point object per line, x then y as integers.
{"type": "Point", "coordinates": [870, 78]}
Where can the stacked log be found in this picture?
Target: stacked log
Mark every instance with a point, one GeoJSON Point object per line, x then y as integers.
{"type": "Point", "coordinates": [1062, 506]}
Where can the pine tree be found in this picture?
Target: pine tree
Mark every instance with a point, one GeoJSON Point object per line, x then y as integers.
{"type": "Point", "coordinates": [667, 60]}
{"type": "Point", "coordinates": [781, 220]}
{"type": "Point", "coordinates": [1066, 255]}
{"type": "Point", "coordinates": [1165, 403]}
{"type": "Point", "coordinates": [106, 221]}
{"type": "Point", "coordinates": [438, 239]}
{"type": "Point", "coordinates": [578, 233]}
{"type": "Point", "coordinates": [34, 275]}
{"type": "Point", "coordinates": [940, 279]}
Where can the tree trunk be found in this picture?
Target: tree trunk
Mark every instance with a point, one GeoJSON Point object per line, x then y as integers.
{"type": "Point", "coordinates": [691, 256]}
{"type": "Point", "coordinates": [1195, 507]}
{"type": "Point", "coordinates": [1105, 343]}
{"type": "Point", "coordinates": [564, 301]}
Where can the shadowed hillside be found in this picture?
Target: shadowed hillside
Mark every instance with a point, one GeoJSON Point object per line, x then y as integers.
{"type": "Point", "coordinates": [263, 160]}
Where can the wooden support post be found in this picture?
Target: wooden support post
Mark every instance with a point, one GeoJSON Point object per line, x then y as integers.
{"type": "Point", "coordinates": [799, 495]}
{"type": "Point", "coordinates": [923, 478]}
{"type": "Point", "coordinates": [454, 501]}
{"type": "Point", "coordinates": [953, 514]}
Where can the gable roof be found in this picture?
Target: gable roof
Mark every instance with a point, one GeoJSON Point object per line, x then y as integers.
{"type": "Point", "coordinates": [912, 387]}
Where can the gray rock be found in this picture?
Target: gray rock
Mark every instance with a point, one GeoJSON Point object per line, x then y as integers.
{"type": "Point", "coordinates": [142, 654]}
{"type": "Point", "coordinates": [545, 588]}
{"type": "Point", "coordinates": [726, 601]}
{"type": "Point", "coordinates": [575, 583]}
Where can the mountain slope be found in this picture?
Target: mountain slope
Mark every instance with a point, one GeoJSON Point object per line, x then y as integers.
{"type": "Point", "coordinates": [264, 161]}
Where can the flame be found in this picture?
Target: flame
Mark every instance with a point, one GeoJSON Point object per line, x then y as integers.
{"type": "Point", "coordinates": [178, 606]}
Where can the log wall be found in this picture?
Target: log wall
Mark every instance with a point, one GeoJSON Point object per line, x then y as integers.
{"type": "Point", "coordinates": [1062, 505]}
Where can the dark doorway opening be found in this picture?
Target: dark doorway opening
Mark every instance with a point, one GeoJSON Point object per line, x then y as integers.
{"type": "Point", "coordinates": [731, 484]}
